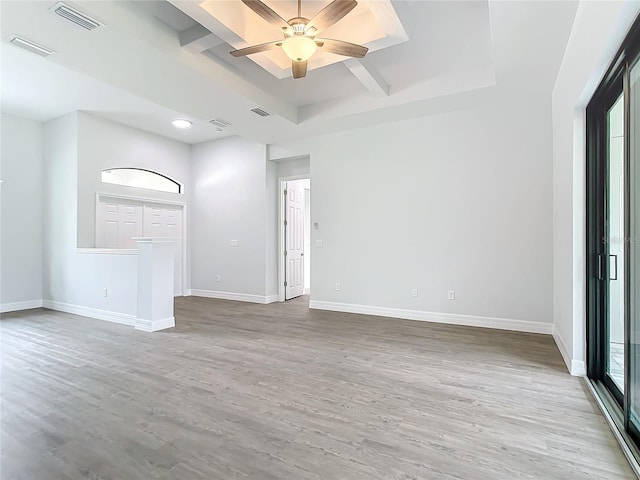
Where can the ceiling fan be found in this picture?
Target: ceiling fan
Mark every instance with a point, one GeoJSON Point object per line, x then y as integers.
{"type": "Point", "coordinates": [300, 41]}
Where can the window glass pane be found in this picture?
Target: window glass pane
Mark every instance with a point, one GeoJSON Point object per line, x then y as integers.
{"type": "Point", "coordinates": [615, 236]}
{"type": "Point", "coordinates": [133, 177]}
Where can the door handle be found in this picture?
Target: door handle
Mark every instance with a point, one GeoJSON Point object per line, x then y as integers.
{"type": "Point", "coordinates": [600, 276]}
{"type": "Point", "coordinates": [615, 268]}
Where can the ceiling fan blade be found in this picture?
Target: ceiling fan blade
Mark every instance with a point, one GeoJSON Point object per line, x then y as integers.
{"type": "Point", "coordinates": [263, 47]}
{"type": "Point", "coordinates": [269, 15]}
{"type": "Point", "coordinates": [299, 69]}
{"type": "Point", "coordinates": [330, 15]}
{"type": "Point", "coordinates": [342, 48]}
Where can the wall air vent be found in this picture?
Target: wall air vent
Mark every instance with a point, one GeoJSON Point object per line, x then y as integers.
{"type": "Point", "coordinates": [218, 122]}
{"type": "Point", "coordinates": [261, 112]}
{"type": "Point", "coordinates": [73, 15]}
{"type": "Point", "coordinates": [30, 46]}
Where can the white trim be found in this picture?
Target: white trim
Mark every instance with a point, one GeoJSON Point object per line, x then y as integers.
{"type": "Point", "coordinates": [117, 196]}
{"type": "Point", "coordinates": [155, 325]}
{"type": "Point", "coordinates": [16, 306]}
{"type": "Point", "coordinates": [111, 251]}
{"type": "Point", "coordinates": [576, 368]}
{"type": "Point", "coordinates": [240, 297]}
{"type": "Point", "coordinates": [448, 318]}
{"type": "Point", "coordinates": [561, 347]}
{"type": "Point", "coordinates": [306, 291]}
{"type": "Point", "coordinates": [109, 316]}
{"type": "Point", "coordinates": [271, 298]}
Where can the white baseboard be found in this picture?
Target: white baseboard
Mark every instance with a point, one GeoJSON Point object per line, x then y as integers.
{"type": "Point", "coordinates": [15, 306]}
{"type": "Point", "coordinates": [155, 325]}
{"type": "Point", "coordinates": [449, 318]}
{"type": "Point", "coordinates": [240, 297]}
{"type": "Point", "coordinates": [576, 368]}
{"type": "Point", "coordinates": [271, 298]}
{"type": "Point", "coordinates": [306, 291]}
{"type": "Point", "coordinates": [122, 318]}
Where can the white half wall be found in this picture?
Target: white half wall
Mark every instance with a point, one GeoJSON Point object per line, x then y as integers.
{"type": "Point", "coordinates": [21, 214]}
{"type": "Point", "coordinates": [598, 31]}
{"type": "Point", "coordinates": [75, 280]}
{"type": "Point", "coordinates": [230, 203]}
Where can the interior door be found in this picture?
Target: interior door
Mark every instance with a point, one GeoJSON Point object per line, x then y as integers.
{"type": "Point", "coordinates": [166, 221]}
{"type": "Point", "coordinates": [117, 223]}
{"type": "Point", "coordinates": [294, 239]}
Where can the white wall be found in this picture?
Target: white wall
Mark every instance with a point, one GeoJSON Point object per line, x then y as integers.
{"type": "Point", "coordinates": [598, 31]}
{"type": "Point", "coordinates": [75, 281]}
{"type": "Point", "coordinates": [21, 214]}
{"type": "Point", "coordinates": [455, 201]}
{"type": "Point", "coordinates": [105, 144]}
{"type": "Point", "coordinates": [230, 201]}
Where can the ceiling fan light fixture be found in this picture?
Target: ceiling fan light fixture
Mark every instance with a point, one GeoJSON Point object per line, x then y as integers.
{"type": "Point", "coordinates": [299, 48]}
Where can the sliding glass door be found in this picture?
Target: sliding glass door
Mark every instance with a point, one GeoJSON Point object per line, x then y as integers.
{"type": "Point", "coordinates": [613, 239]}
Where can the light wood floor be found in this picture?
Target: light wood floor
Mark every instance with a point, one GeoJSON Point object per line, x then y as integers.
{"type": "Point", "coordinates": [265, 392]}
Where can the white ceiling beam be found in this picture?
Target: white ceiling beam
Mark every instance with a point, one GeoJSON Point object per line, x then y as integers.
{"type": "Point", "coordinates": [369, 77]}
{"type": "Point", "coordinates": [197, 39]}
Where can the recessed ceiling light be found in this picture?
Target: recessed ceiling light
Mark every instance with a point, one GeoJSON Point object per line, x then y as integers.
{"type": "Point", "coordinates": [181, 123]}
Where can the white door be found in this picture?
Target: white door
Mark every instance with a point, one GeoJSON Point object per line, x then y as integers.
{"type": "Point", "coordinates": [294, 239]}
{"type": "Point", "coordinates": [166, 221]}
{"type": "Point", "coordinates": [117, 224]}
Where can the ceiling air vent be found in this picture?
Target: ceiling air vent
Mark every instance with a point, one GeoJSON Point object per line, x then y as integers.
{"type": "Point", "coordinates": [261, 112]}
{"type": "Point", "coordinates": [218, 122]}
{"type": "Point", "coordinates": [30, 46]}
{"type": "Point", "coordinates": [73, 15]}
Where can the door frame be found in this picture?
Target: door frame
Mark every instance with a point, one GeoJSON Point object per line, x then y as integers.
{"type": "Point", "coordinates": [281, 245]}
{"type": "Point", "coordinates": [614, 82]}
{"type": "Point", "coordinates": [155, 201]}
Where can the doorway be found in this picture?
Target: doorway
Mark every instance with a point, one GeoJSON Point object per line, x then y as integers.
{"type": "Point", "coordinates": [295, 238]}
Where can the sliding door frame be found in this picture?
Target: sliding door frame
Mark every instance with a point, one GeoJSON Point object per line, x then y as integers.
{"type": "Point", "coordinates": [615, 83]}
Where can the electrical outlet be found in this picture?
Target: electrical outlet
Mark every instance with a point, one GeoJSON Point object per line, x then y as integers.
{"type": "Point", "coordinates": [318, 243]}
{"type": "Point", "coordinates": [105, 292]}
{"type": "Point", "coordinates": [337, 287]}
{"type": "Point", "coordinates": [234, 243]}
{"type": "Point", "coordinates": [217, 278]}
{"type": "Point", "coordinates": [414, 292]}
{"type": "Point", "coordinates": [451, 295]}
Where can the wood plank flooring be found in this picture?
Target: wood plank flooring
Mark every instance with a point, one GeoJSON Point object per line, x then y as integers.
{"type": "Point", "coordinates": [265, 392]}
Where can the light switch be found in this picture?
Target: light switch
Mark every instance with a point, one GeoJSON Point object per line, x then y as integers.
{"type": "Point", "coordinates": [315, 225]}
{"type": "Point", "coordinates": [318, 243]}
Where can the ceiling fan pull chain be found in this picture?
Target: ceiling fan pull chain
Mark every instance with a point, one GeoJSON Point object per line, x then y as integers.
{"type": "Point", "coordinates": [299, 8]}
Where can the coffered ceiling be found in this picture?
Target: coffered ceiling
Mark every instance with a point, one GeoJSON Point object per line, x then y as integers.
{"type": "Point", "coordinates": [153, 61]}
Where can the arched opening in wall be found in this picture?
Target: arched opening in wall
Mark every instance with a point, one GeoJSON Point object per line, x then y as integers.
{"type": "Point", "coordinates": [141, 178]}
